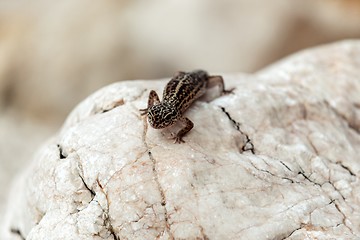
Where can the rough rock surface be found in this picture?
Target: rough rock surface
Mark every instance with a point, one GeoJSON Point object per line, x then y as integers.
{"type": "Point", "coordinates": [278, 159]}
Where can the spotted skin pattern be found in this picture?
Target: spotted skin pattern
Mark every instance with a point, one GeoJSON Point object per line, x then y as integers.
{"type": "Point", "coordinates": [180, 92]}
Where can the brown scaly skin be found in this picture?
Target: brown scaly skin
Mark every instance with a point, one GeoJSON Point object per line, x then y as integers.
{"type": "Point", "coordinates": [180, 92]}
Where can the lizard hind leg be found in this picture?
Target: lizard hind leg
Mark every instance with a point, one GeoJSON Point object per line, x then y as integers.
{"type": "Point", "coordinates": [218, 81]}
{"type": "Point", "coordinates": [153, 99]}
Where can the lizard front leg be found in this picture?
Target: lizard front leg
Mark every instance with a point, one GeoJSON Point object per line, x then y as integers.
{"type": "Point", "coordinates": [218, 81]}
{"type": "Point", "coordinates": [153, 99]}
{"type": "Point", "coordinates": [188, 126]}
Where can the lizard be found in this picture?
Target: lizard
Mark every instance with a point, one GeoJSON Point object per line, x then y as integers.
{"type": "Point", "coordinates": [179, 93]}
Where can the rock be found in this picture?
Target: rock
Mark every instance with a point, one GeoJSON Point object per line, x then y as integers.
{"type": "Point", "coordinates": [278, 159]}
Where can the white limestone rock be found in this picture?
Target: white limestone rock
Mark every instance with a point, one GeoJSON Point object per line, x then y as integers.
{"type": "Point", "coordinates": [278, 159]}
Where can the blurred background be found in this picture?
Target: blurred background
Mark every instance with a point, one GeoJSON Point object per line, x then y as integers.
{"type": "Point", "coordinates": [55, 53]}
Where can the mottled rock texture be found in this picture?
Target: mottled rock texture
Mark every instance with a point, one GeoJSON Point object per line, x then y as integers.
{"type": "Point", "coordinates": [278, 159]}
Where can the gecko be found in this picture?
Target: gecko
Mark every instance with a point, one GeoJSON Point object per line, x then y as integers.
{"type": "Point", "coordinates": [179, 93]}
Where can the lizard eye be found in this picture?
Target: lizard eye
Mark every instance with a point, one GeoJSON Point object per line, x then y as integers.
{"type": "Point", "coordinates": [167, 117]}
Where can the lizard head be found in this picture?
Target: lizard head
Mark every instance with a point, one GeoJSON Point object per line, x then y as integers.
{"type": "Point", "coordinates": [162, 115]}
